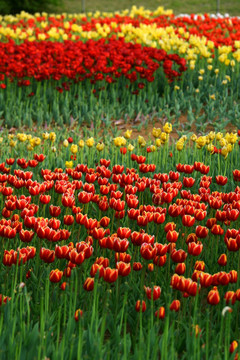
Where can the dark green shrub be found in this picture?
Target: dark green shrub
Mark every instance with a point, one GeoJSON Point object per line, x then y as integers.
{"type": "Point", "coordinates": [31, 6]}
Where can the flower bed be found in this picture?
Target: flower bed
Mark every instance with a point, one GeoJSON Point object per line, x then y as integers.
{"type": "Point", "coordinates": [105, 244]}
{"type": "Point", "coordinates": [63, 67]}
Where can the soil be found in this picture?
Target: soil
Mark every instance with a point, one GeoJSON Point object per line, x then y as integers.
{"type": "Point", "coordinates": [146, 131]}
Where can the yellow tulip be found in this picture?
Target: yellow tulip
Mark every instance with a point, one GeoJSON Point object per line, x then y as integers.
{"type": "Point", "coordinates": [65, 143]}
{"type": "Point", "coordinates": [13, 143]}
{"type": "Point", "coordinates": [81, 143]}
{"type": "Point", "coordinates": [141, 139]}
{"type": "Point", "coordinates": [193, 137]}
{"type": "Point", "coordinates": [69, 164]}
{"type": "Point", "coordinates": [52, 136]}
{"type": "Point", "coordinates": [74, 148]}
{"type": "Point", "coordinates": [179, 145]}
{"type": "Point", "coordinates": [156, 132]}
{"type": "Point", "coordinates": [90, 142]}
{"type": "Point", "coordinates": [130, 147]}
{"type": "Point", "coordinates": [100, 146]}
{"type": "Point", "coordinates": [128, 134]}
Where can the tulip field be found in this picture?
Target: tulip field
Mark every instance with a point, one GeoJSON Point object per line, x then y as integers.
{"type": "Point", "coordinates": [65, 68]}
{"type": "Point", "coordinates": [119, 242]}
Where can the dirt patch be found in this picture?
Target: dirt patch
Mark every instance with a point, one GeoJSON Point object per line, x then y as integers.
{"type": "Point", "coordinates": [146, 129]}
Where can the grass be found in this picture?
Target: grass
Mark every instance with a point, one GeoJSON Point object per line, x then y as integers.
{"type": "Point", "coordinates": [178, 6]}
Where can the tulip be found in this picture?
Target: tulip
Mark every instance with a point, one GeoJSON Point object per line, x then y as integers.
{"type": "Point", "coordinates": [178, 256]}
{"type": "Point", "coordinates": [172, 236]}
{"type": "Point", "coordinates": [45, 199]}
{"type": "Point", "coordinates": [160, 313]}
{"type": "Point", "coordinates": [26, 236]}
{"type": "Point", "coordinates": [217, 230]}
{"type": "Point", "coordinates": [78, 314]}
{"type": "Point", "coordinates": [233, 276]}
{"type": "Point", "coordinates": [84, 197]}
{"type": "Point", "coordinates": [205, 279]}
{"type": "Point", "coordinates": [55, 211]}
{"type": "Point", "coordinates": [161, 249]}
{"type": "Point", "coordinates": [47, 255]}
{"type": "Point", "coordinates": [199, 265]}
{"type": "Point", "coordinates": [63, 286]}
{"type": "Point", "coordinates": [211, 222]}
{"type": "Point", "coordinates": [123, 257]}
{"type": "Point", "coordinates": [180, 268]}
{"type": "Point", "coordinates": [123, 233]}
{"type": "Point", "coordinates": [68, 220]}
{"type": "Point", "coordinates": [120, 245]}
{"type": "Point", "coordinates": [188, 220]}
{"type": "Point", "coordinates": [188, 182]}
{"type": "Point", "coordinates": [140, 306]}
{"type": "Point", "coordinates": [147, 251]}
{"type": "Point", "coordinates": [62, 252]}
{"type": "Point", "coordinates": [54, 223]}
{"type": "Point", "coordinates": [221, 180]}
{"type": "Point", "coordinates": [55, 276]}
{"type": "Point", "coordinates": [200, 214]}
{"type": "Point", "coordinates": [175, 305]}
{"type": "Point", "coordinates": [223, 278]}
{"type": "Point", "coordinates": [123, 268]}
{"type": "Point", "coordinates": [233, 347]}
{"type": "Point", "coordinates": [110, 275]}
{"type": "Point", "coordinates": [142, 220]}
{"type": "Point", "coordinates": [102, 261]}
{"type": "Point", "coordinates": [88, 284]}
{"type": "Point", "coordinates": [76, 258]}
{"type": "Point", "coordinates": [195, 249]}
{"type": "Point", "coordinates": [232, 244]}
{"type": "Point", "coordinates": [222, 260]}
{"type": "Point", "coordinates": [230, 297]}
{"type": "Point", "coordinates": [153, 293]}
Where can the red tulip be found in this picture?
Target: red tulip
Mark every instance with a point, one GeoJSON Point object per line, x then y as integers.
{"type": "Point", "coordinates": [47, 255]}
{"type": "Point", "coordinates": [178, 256]}
{"type": "Point", "coordinates": [26, 236]}
{"type": "Point", "coordinates": [137, 266]}
{"type": "Point", "coordinates": [201, 231]}
{"type": "Point", "coordinates": [123, 268]}
{"type": "Point", "coordinates": [76, 258]}
{"type": "Point", "coordinates": [123, 233]}
{"type": "Point", "coordinates": [230, 297]}
{"type": "Point", "coordinates": [199, 265]}
{"type": "Point", "coordinates": [217, 230]}
{"type": "Point", "coordinates": [55, 211]}
{"type": "Point", "coordinates": [195, 249]}
{"type": "Point", "coordinates": [140, 306]}
{"type": "Point", "coordinates": [175, 305]}
{"type": "Point", "coordinates": [55, 276]}
{"type": "Point", "coordinates": [223, 278]}
{"type": "Point", "coordinates": [172, 236]}
{"type": "Point", "coordinates": [188, 181]}
{"type": "Point", "coordinates": [221, 180]}
{"type": "Point", "coordinates": [147, 251]}
{"type": "Point", "coordinates": [222, 260]}
{"type": "Point", "coordinates": [233, 347]}
{"type": "Point", "coordinates": [160, 313]}
{"type": "Point", "coordinates": [88, 284]}
{"type": "Point", "coordinates": [78, 314]}
{"type": "Point", "coordinates": [153, 293]}
{"type": "Point", "coordinates": [205, 279]}
{"type": "Point", "coordinates": [45, 199]}
{"type": "Point", "coordinates": [180, 268]}
{"type": "Point", "coordinates": [84, 197]}
{"type": "Point", "coordinates": [110, 275]}
{"type": "Point", "coordinates": [188, 220]}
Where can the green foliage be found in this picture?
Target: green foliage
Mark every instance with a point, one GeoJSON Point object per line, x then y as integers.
{"type": "Point", "coordinates": [31, 6]}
